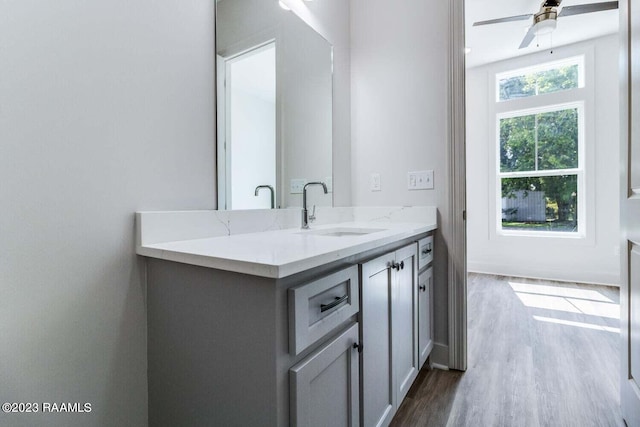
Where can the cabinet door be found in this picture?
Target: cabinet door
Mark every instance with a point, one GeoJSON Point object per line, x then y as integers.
{"type": "Point", "coordinates": [425, 314]}
{"type": "Point", "coordinates": [378, 395]}
{"type": "Point", "coordinates": [405, 319]}
{"type": "Point", "coordinates": [324, 387]}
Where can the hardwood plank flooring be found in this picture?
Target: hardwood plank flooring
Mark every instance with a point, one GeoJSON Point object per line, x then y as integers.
{"type": "Point", "coordinates": [540, 353]}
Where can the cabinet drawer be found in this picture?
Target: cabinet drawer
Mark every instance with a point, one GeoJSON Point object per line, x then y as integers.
{"type": "Point", "coordinates": [317, 307]}
{"type": "Point", "coordinates": [425, 252]}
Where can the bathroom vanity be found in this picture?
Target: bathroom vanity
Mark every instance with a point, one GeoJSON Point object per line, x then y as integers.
{"type": "Point", "coordinates": [327, 326]}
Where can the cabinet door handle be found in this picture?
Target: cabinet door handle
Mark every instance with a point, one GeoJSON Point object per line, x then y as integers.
{"type": "Point", "coordinates": [423, 288]}
{"type": "Point", "coordinates": [336, 302]}
{"type": "Point", "coordinates": [397, 266]}
{"type": "Point", "coordinates": [357, 347]}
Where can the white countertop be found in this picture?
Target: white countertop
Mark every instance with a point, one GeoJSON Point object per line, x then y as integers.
{"type": "Point", "coordinates": [281, 253]}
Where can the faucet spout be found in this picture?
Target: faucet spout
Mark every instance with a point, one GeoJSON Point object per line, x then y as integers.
{"type": "Point", "coordinates": [305, 212]}
{"type": "Point", "coordinates": [273, 201]}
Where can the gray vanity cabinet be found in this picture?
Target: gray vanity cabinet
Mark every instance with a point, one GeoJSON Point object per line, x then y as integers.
{"type": "Point", "coordinates": [389, 319]}
{"type": "Point", "coordinates": [324, 386]}
{"type": "Point", "coordinates": [405, 321]}
{"type": "Point", "coordinates": [324, 347]}
{"type": "Point", "coordinates": [378, 399]}
{"type": "Point", "coordinates": [425, 298]}
{"type": "Point", "coordinates": [425, 314]}
{"type": "Point", "coordinates": [221, 350]}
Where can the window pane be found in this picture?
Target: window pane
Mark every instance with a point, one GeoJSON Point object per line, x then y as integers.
{"type": "Point", "coordinates": [551, 136]}
{"type": "Point", "coordinates": [517, 144]}
{"type": "Point", "coordinates": [547, 203]}
{"type": "Point", "coordinates": [558, 140]}
{"type": "Point", "coordinates": [516, 87]}
{"type": "Point", "coordinates": [539, 82]}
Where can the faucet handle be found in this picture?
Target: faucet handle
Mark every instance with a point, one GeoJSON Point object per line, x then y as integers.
{"type": "Point", "coordinates": [312, 217]}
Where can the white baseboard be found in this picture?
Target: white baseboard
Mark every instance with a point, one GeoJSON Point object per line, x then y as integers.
{"type": "Point", "coordinates": [588, 277]}
{"type": "Point", "coordinates": [438, 366]}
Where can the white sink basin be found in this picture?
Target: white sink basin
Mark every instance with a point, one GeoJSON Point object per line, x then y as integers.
{"type": "Point", "coordinates": [343, 231]}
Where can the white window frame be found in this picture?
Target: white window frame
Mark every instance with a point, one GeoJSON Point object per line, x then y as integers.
{"type": "Point", "coordinates": [584, 96]}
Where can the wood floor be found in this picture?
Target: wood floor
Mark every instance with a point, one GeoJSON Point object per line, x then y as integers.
{"type": "Point", "coordinates": [539, 354]}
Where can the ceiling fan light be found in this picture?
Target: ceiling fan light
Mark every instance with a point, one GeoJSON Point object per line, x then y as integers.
{"type": "Point", "coordinates": [545, 27]}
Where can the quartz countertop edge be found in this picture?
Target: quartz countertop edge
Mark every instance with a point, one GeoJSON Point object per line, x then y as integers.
{"type": "Point", "coordinates": [282, 253]}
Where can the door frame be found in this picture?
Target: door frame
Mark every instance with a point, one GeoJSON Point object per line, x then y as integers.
{"type": "Point", "coordinates": [457, 214]}
{"type": "Point", "coordinates": [457, 270]}
{"type": "Point", "coordinates": [629, 391]}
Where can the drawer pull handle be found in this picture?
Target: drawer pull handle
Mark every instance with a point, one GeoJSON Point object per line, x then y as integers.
{"type": "Point", "coordinates": [426, 251]}
{"type": "Point", "coordinates": [338, 301]}
{"type": "Point", "coordinates": [423, 288]}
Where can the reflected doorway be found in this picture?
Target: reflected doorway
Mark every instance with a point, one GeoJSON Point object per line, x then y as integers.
{"type": "Point", "coordinates": [247, 156]}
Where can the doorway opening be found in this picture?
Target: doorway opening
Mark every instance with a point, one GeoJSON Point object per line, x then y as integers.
{"type": "Point", "coordinates": [543, 229]}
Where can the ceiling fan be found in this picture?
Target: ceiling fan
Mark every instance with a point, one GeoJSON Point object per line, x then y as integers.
{"type": "Point", "coordinates": [545, 20]}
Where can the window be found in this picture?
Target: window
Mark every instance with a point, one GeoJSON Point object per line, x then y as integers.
{"type": "Point", "coordinates": [540, 172]}
{"type": "Point", "coordinates": [548, 78]}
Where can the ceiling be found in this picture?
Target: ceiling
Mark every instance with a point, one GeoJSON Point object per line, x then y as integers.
{"type": "Point", "coordinates": [495, 42]}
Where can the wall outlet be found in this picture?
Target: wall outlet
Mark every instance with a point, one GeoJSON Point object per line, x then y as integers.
{"type": "Point", "coordinates": [329, 181]}
{"type": "Point", "coordinates": [297, 185]}
{"type": "Point", "coordinates": [375, 182]}
{"type": "Point", "coordinates": [420, 180]}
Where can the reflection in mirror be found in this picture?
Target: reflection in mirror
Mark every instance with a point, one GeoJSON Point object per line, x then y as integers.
{"type": "Point", "coordinates": [274, 107]}
{"type": "Point", "coordinates": [250, 125]}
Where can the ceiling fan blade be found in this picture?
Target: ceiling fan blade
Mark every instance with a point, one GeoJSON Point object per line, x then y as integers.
{"type": "Point", "coordinates": [500, 20]}
{"type": "Point", "coordinates": [587, 8]}
{"type": "Point", "coordinates": [528, 38]}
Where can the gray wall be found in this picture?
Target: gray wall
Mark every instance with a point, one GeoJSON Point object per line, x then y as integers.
{"type": "Point", "coordinates": [105, 108]}
{"type": "Point", "coordinates": [400, 104]}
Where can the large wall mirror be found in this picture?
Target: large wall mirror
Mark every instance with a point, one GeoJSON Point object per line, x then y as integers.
{"type": "Point", "coordinates": [274, 106]}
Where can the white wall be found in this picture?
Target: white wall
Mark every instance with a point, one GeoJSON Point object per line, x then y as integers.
{"type": "Point", "coordinates": [594, 259]}
{"type": "Point", "coordinates": [105, 108]}
{"type": "Point", "coordinates": [400, 102]}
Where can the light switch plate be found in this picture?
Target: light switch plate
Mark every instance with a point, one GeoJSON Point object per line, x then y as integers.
{"type": "Point", "coordinates": [375, 182]}
{"type": "Point", "coordinates": [420, 180]}
{"type": "Point", "coordinates": [297, 185]}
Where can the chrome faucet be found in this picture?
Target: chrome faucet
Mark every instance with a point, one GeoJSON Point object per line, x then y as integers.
{"type": "Point", "coordinates": [305, 212]}
{"type": "Point", "coordinates": [273, 200]}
